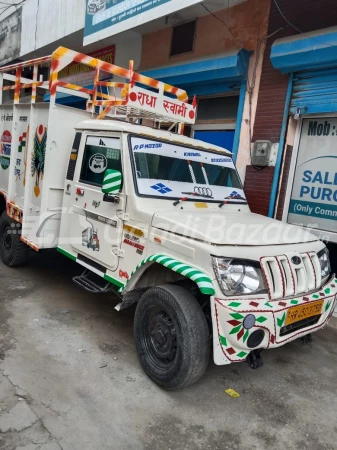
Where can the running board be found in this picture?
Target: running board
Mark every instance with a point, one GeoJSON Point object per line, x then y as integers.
{"type": "Point", "coordinates": [93, 283]}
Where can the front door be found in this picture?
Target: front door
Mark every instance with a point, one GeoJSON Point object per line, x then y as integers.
{"type": "Point", "coordinates": [95, 229]}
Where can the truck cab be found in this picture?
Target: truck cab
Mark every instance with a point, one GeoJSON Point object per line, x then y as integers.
{"type": "Point", "coordinates": [176, 231]}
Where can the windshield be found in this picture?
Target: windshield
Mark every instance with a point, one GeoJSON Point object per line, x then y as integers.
{"type": "Point", "coordinates": [173, 171]}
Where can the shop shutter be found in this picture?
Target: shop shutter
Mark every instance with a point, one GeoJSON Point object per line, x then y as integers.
{"type": "Point", "coordinates": [314, 92]}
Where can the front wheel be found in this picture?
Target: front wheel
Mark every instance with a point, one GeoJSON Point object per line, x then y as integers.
{"type": "Point", "coordinates": [172, 336]}
{"type": "Point", "coordinates": [13, 252]}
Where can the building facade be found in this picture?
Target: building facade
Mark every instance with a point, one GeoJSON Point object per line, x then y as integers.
{"type": "Point", "coordinates": [297, 110]}
{"type": "Point", "coordinates": [221, 65]}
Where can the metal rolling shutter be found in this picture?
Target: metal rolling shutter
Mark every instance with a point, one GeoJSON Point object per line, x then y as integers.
{"type": "Point", "coordinates": [314, 92]}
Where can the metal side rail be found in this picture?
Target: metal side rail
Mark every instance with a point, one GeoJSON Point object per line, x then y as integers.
{"type": "Point", "coordinates": [92, 283]}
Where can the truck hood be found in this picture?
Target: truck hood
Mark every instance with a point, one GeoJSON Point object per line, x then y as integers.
{"type": "Point", "coordinates": [239, 228]}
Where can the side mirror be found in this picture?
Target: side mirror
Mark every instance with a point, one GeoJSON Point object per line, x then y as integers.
{"type": "Point", "coordinates": [112, 182]}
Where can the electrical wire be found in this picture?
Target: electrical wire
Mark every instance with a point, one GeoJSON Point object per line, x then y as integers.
{"type": "Point", "coordinates": [222, 21]}
{"type": "Point", "coordinates": [250, 86]}
{"type": "Point", "coordinates": [14, 5]}
{"type": "Point", "coordinates": [300, 31]}
{"type": "Point", "coordinates": [5, 9]}
{"type": "Point", "coordinates": [240, 45]}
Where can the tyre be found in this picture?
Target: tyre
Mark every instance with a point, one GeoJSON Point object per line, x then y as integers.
{"type": "Point", "coordinates": [13, 252]}
{"type": "Point", "coordinates": [172, 336]}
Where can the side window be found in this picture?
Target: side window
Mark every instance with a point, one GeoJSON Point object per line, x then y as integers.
{"type": "Point", "coordinates": [100, 153]}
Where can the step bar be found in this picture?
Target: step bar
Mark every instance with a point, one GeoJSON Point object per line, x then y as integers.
{"type": "Point", "coordinates": [88, 282]}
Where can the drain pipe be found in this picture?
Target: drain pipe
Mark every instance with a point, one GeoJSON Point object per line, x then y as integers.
{"type": "Point", "coordinates": [276, 178]}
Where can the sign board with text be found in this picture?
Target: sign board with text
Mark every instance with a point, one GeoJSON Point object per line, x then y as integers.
{"type": "Point", "coordinates": [157, 105]}
{"type": "Point", "coordinates": [82, 74]}
{"type": "Point", "coordinates": [104, 18]}
{"type": "Point", "coordinates": [313, 201]}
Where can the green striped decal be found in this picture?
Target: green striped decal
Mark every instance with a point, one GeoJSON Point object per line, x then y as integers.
{"type": "Point", "coordinates": [202, 280]}
{"type": "Point", "coordinates": [112, 182]}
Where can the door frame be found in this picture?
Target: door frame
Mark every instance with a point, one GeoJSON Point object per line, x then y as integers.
{"type": "Point", "coordinates": [325, 235]}
{"type": "Point", "coordinates": [82, 184]}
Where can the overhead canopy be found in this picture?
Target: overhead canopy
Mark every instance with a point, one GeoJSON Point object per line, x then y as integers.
{"type": "Point", "coordinates": [220, 73]}
{"type": "Point", "coordinates": [314, 50]}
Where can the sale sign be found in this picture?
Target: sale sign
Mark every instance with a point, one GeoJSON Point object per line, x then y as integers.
{"type": "Point", "coordinates": [314, 194]}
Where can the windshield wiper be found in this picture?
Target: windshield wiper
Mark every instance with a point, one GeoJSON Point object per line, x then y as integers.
{"type": "Point", "coordinates": [183, 199]}
{"type": "Point", "coordinates": [197, 194]}
{"type": "Point", "coordinates": [224, 202]}
{"type": "Point", "coordinates": [179, 200]}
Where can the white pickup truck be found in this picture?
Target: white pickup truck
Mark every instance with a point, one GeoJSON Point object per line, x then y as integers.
{"type": "Point", "coordinates": [158, 218]}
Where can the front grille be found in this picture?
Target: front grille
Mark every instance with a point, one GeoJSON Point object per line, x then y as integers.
{"type": "Point", "coordinates": [309, 321]}
{"type": "Point", "coordinates": [285, 278]}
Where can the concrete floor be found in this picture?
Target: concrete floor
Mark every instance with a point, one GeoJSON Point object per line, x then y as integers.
{"type": "Point", "coordinates": [70, 379]}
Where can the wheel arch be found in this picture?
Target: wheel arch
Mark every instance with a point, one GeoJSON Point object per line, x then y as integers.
{"type": "Point", "coordinates": [170, 270]}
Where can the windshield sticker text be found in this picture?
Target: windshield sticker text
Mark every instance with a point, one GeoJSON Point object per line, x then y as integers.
{"type": "Point", "coordinates": [221, 159]}
{"type": "Point", "coordinates": [144, 146]}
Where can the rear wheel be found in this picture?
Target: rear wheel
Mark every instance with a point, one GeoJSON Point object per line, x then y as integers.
{"type": "Point", "coordinates": [13, 252]}
{"type": "Point", "coordinates": [172, 337]}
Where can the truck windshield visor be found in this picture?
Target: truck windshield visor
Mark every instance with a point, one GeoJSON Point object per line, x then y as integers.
{"type": "Point", "coordinates": [166, 170]}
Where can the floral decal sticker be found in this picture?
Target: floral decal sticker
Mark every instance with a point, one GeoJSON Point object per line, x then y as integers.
{"type": "Point", "coordinates": [38, 157]}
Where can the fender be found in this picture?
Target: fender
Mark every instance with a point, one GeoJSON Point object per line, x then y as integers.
{"type": "Point", "coordinates": [202, 280]}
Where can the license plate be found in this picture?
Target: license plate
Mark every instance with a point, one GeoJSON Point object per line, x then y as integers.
{"type": "Point", "coordinates": [304, 311]}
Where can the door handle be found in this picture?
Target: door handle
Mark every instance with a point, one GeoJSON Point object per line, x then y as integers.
{"type": "Point", "coordinates": [111, 198]}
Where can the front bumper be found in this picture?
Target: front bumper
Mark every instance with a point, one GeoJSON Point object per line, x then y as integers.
{"type": "Point", "coordinates": [270, 316]}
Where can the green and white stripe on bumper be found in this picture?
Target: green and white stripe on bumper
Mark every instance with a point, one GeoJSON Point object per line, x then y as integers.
{"type": "Point", "coordinates": [203, 281]}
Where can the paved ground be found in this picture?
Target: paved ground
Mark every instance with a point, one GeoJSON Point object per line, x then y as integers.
{"type": "Point", "coordinates": [70, 379]}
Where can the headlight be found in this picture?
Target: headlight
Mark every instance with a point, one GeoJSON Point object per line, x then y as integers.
{"type": "Point", "coordinates": [324, 261]}
{"type": "Point", "coordinates": [239, 276]}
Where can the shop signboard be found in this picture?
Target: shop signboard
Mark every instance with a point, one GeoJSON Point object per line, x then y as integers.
{"type": "Point", "coordinates": [10, 36]}
{"type": "Point", "coordinates": [104, 18]}
{"type": "Point", "coordinates": [313, 200]}
{"type": "Point", "coordinates": [82, 74]}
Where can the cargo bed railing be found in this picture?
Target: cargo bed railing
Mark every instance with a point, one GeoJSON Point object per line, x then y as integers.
{"type": "Point", "coordinates": [137, 97]}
